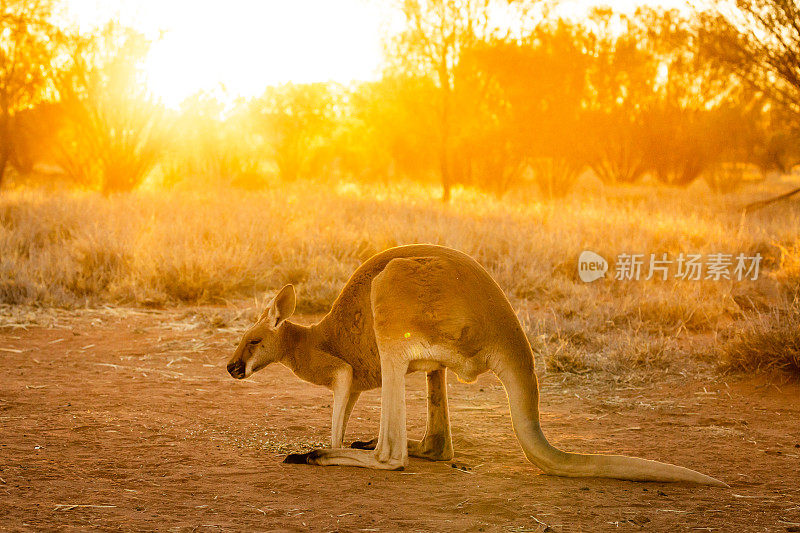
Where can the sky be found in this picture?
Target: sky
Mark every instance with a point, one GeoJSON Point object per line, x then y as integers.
{"type": "Point", "coordinates": [244, 46]}
{"type": "Point", "coordinates": [237, 47]}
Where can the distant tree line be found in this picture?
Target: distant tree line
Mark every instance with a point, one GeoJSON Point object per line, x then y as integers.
{"type": "Point", "coordinates": [462, 100]}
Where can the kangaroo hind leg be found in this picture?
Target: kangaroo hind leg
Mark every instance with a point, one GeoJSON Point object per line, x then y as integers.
{"type": "Point", "coordinates": [437, 444]}
{"type": "Point", "coordinates": [343, 401]}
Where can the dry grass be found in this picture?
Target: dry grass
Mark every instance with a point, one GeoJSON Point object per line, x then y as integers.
{"type": "Point", "coordinates": [768, 343]}
{"type": "Point", "coordinates": [155, 248]}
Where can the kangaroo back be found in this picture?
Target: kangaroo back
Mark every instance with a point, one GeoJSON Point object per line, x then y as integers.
{"type": "Point", "coordinates": [348, 327]}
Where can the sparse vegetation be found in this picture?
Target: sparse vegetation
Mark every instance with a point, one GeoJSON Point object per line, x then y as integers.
{"type": "Point", "coordinates": [769, 342]}
{"type": "Point", "coordinates": [543, 139]}
{"type": "Point", "coordinates": [155, 248]}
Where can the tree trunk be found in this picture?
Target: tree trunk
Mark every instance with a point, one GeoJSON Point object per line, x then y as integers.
{"type": "Point", "coordinates": [444, 169]}
{"type": "Point", "coordinates": [5, 147]}
{"type": "Point", "coordinates": [444, 147]}
{"type": "Point", "coordinates": [444, 151]}
{"type": "Point", "coordinates": [3, 164]}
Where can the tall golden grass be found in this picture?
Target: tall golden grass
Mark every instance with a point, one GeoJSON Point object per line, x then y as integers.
{"type": "Point", "coordinates": [156, 248]}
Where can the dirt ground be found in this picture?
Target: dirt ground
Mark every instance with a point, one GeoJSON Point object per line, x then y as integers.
{"type": "Point", "coordinates": [128, 421]}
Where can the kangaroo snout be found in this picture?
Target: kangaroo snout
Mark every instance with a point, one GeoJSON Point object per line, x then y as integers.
{"type": "Point", "coordinates": [236, 369]}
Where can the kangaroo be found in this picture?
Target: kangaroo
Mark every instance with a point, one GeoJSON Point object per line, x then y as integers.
{"type": "Point", "coordinates": [420, 308]}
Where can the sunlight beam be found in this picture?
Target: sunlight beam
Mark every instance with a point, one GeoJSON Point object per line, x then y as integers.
{"type": "Point", "coordinates": [240, 50]}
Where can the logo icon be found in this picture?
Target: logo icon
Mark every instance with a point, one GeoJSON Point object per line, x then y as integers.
{"type": "Point", "coordinates": [591, 266]}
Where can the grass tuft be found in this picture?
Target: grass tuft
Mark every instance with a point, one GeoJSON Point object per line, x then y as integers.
{"type": "Point", "coordinates": [769, 342]}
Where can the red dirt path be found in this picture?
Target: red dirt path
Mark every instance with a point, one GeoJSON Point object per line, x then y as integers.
{"type": "Point", "coordinates": [128, 421]}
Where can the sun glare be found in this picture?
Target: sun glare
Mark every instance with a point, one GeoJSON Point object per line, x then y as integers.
{"type": "Point", "coordinates": [239, 50]}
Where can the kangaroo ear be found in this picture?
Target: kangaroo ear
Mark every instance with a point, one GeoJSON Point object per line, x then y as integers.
{"type": "Point", "coordinates": [281, 307]}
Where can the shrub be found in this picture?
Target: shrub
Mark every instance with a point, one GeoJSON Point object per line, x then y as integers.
{"type": "Point", "coordinates": [770, 342]}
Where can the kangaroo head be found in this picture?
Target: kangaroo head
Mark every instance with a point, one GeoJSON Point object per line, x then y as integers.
{"type": "Point", "coordinates": [260, 345]}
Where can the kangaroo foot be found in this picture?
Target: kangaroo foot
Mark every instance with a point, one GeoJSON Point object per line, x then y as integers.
{"type": "Point", "coordinates": [434, 448]}
{"type": "Point", "coordinates": [301, 458]}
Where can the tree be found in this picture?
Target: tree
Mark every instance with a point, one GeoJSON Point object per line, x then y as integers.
{"type": "Point", "coordinates": [114, 132]}
{"type": "Point", "coordinates": [534, 104]}
{"type": "Point", "coordinates": [295, 122]}
{"type": "Point", "coordinates": [680, 135]}
{"type": "Point", "coordinates": [622, 76]}
{"type": "Point", "coordinates": [760, 41]}
{"type": "Point", "coordinates": [28, 43]}
{"type": "Point", "coordinates": [390, 129]}
{"type": "Point", "coordinates": [215, 146]}
{"type": "Point", "coordinates": [778, 148]}
{"type": "Point", "coordinates": [654, 101]}
{"type": "Point", "coordinates": [435, 35]}
{"type": "Point", "coordinates": [677, 143]}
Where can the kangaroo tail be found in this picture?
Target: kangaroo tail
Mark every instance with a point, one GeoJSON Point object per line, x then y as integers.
{"type": "Point", "coordinates": [523, 397]}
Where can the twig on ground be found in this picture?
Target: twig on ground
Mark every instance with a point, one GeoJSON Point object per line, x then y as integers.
{"type": "Point", "coordinates": [71, 506]}
{"type": "Point", "coordinates": [142, 369]}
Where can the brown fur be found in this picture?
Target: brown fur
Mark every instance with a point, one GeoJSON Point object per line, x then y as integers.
{"type": "Point", "coordinates": [421, 307]}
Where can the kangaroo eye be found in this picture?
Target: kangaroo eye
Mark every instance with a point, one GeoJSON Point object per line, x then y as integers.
{"type": "Point", "coordinates": [254, 341]}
